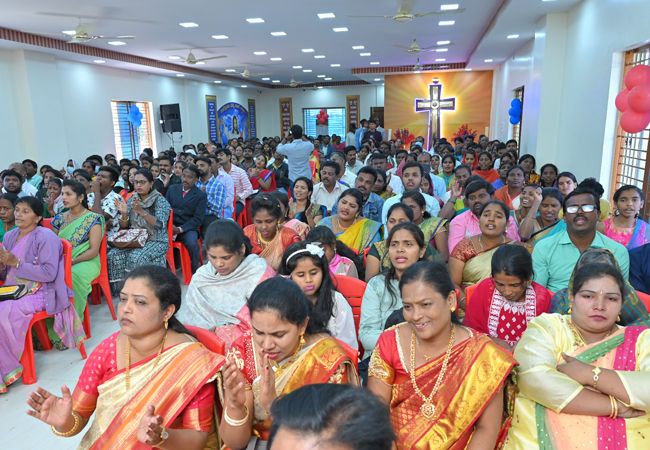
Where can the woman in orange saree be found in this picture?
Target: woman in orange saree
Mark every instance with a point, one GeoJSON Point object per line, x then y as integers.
{"type": "Point", "coordinates": [284, 351]}
{"type": "Point", "coordinates": [268, 238]}
{"type": "Point", "coordinates": [131, 371]}
{"type": "Point", "coordinates": [445, 384]}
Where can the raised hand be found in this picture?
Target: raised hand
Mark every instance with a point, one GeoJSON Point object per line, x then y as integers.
{"type": "Point", "coordinates": [121, 205]}
{"type": "Point", "coordinates": [149, 429]}
{"type": "Point", "coordinates": [49, 408]}
{"type": "Point", "coordinates": [267, 385]}
{"type": "Point", "coordinates": [293, 208]}
{"type": "Point", "coordinates": [456, 190]}
{"type": "Point", "coordinates": [136, 206]}
{"type": "Point", "coordinates": [234, 383]}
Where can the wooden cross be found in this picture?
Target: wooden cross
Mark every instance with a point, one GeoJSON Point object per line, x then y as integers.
{"type": "Point", "coordinates": [433, 105]}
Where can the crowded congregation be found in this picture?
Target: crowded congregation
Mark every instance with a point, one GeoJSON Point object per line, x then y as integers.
{"type": "Point", "coordinates": [421, 272]}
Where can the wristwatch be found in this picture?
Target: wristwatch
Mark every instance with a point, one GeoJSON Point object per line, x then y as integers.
{"type": "Point", "coordinates": [163, 436]}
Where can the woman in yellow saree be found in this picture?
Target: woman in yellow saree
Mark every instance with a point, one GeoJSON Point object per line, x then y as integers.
{"type": "Point", "coordinates": [445, 384]}
{"type": "Point", "coordinates": [149, 385]}
{"type": "Point", "coordinates": [284, 352]}
{"type": "Point", "coordinates": [583, 380]}
{"type": "Point", "coordinates": [349, 226]}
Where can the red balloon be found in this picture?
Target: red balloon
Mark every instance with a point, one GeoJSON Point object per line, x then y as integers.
{"type": "Point", "coordinates": [322, 121]}
{"type": "Point", "coordinates": [634, 122]}
{"type": "Point", "coordinates": [621, 100]}
{"type": "Point", "coordinates": [327, 116]}
{"type": "Point", "coordinates": [322, 111]}
{"type": "Point", "coordinates": [639, 98]}
{"type": "Point", "coordinates": [637, 75]}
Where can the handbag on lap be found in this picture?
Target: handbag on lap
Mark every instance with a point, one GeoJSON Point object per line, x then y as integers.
{"type": "Point", "coordinates": [129, 238]}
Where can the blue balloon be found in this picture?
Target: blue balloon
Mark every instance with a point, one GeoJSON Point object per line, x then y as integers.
{"type": "Point", "coordinates": [514, 120]}
{"type": "Point", "coordinates": [516, 103]}
{"type": "Point", "coordinates": [136, 124]}
{"type": "Point", "coordinates": [134, 109]}
{"type": "Point", "coordinates": [514, 112]}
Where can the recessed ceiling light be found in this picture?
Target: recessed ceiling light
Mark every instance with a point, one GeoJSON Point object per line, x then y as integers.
{"type": "Point", "coordinates": [276, 59]}
{"type": "Point", "coordinates": [440, 59]}
{"type": "Point", "coordinates": [70, 32]}
{"type": "Point", "coordinates": [259, 53]}
{"type": "Point", "coordinates": [442, 49]}
{"type": "Point", "coordinates": [446, 22]}
{"type": "Point", "coordinates": [278, 33]}
{"type": "Point", "coordinates": [488, 60]}
{"type": "Point", "coordinates": [297, 67]}
{"type": "Point", "coordinates": [200, 62]}
{"type": "Point", "coordinates": [117, 43]}
{"type": "Point", "coordinates": [276, 81]}
{"type": "Point", "coordinates": [340, 30]}
{"type": "Point", "coordinates": [217, 81]}
{"type": "Point", "coordinates": [319, 56]}
{"type": "Point", "coordinates": [377, 79]}
{"type": "Point", "coordinates": [320, 87]}
{"type": "Point", "coordinates": [383, 84]}
{"type": "Point", "coordinates": [174, 57]}
{"type": "Point", "coordinates": [364, 54]}
{"type": "Point", "coordinates": [220, 36]}
{"type": "Point", "coordinates": [326, 16]}
{"type": "Point", "coordinates": [448, 7]}
{"type": "Point", "coordinates": [180, 75]}
{"type": "Point", "coordinates": [306, 70]}
{"type": "Point", "coordinates": [265, 79]}
{"type": "Point", "coordinates": [244, 86]}
{"type": "Point", "coordinates": [335, 65]}
{"type": "Point", "coordinates": [231, 70]}
{"type": "Point", "coordinates": [327, 79]}
{"type": "Point", "coordinates": [374, 63]}
{"type": "Point", "coordinates": [417, 71]}
{"type": "Point", "coordinates": [99, 61]}
{"type": "Point", "coordinates": [468, 70]}
{"type": "Point", "coordinates": [444, 67]}
{"type": "Point", "coordinates": [307, 50]}
{"type": "Point", "coordinates": [513, 36]}
{"type": "Point", "coordinates": [443, 42]}
{"type": "Point", "coordinates": [321, 76]}
{"type": "Point", "coordinates": [358, 47]}
{"type": "Point", "coordinates": [256, 20]}
{"type": "Point", "coordinates": [189, 24]}
{"type": "Point", "coordinates": [548, 0]}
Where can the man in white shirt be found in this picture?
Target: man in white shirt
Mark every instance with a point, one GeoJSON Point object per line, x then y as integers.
{"type": "Point", "coordinates": [350, 138]}
{"type": "Point", "coordinates": [25, 188]}
{"type": "Point", "coordinates": [102, 189]}
{"type": "Point", "coordinates": [353, 165]}
{"type": "Point", "coordinates": [346, 177]}
{"type": "Point", "coordinates": [297, 152]}
{"type": "Point", "coordinates": [328, 191]}
{"type": "Point", "coordinates": [380, 161]}
{"type": "Point", "coordinates": [412, 179]}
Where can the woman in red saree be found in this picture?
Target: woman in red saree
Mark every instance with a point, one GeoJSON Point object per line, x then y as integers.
{"type": "Point", "coordinates": [152, 361]}
{"type": "Point", "coordinates": [268, 238]}
{"type": "Point", "coordinates": [509, 194]}
{"type": "Point", "coordinates": [260, 177]}
{"type": "Point", "coordinates": [445, 384]}
{"type": "Point", "coordinates": [284, 351]}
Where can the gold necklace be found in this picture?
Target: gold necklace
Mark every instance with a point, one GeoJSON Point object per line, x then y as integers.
{"type": "Point", "coordinates": [262, 241]}
{"type": "Point", "coordinates": [428, 409]}
{"type": "Point", "coordinates": [579, 335]}
{"type": "Point", "coordinates": [426, 358]}
{"type": "Point", "coordinates": [481, 244]}
{"type": "Point", "coordinates": [279, 369]}
{"type": "Point", "coordinates": [128, 359]}
{"type": "Point", "coordinates": [338, 222]}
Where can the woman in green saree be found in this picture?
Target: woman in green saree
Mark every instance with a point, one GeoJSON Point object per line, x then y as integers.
{"type": "Point", "coordinates": [84, 230]}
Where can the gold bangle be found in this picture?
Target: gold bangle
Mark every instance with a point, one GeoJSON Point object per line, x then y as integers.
{"type": "Point", "coordinates": [233, 422]}
{"type": "Point", "coordinates": [615, 403]}
{"type": "Point", "coordinates": [77, 421]}
{"type": "Point", "coordinates": [612, 403]}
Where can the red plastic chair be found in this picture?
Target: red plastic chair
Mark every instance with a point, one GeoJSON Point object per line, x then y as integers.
{"type": "Point", "coordinates": [352, 289]}
{"type": "Point", "coordinates": [469, 290]}
{"type": "Point", "coordinates": [47, 223]}
{"type": "Point", "coordinates": [365, 255]}
{"type": "Point", "coordinates": [27, 358]}
{"type": "Point", "coordinates": [208, 339]}
{"type": "Point", "coordinates": [645, 299]}
{"type": "Point", "coordinates": [100, 285]}
{"type": "Point", "coordinates": [170, 249]}
{"type": "Point", "coordinates": [186, 262]}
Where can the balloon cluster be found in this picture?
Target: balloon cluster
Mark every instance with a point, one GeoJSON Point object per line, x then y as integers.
{"type": "Point", "coordinates": [322, 117]}
{"type": "Point", "coordinates": [515, 111]}
{"type": "Point", "coordinates": [135, 116]}
{"type": "Point", "coordinates": [634, 100]}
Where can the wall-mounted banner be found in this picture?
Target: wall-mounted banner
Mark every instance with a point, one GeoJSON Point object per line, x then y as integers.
{"type": "Point", "coordinates": [211, 109]}
{"type": "Point", "coordinates": [252, 118]}
{"type": "Point", "coordinates": [233, 120]}
{"type": "Point", "coordinates": [286, 115]}
{"type": "Point", "coordinates": [353, 107]}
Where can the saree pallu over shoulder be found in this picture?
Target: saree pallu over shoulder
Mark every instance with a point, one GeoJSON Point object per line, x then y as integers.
{"type": "Point", "coordinates": [181, 372]}
{"type": "Point", "coordinates": [476, 372]}
{"type": "Point", "coordinates": [361, 235]}
{"type": "Point", "coordinates": [79, 228]}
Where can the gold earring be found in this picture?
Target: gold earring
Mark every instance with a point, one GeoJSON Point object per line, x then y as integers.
{"type": "Point", "coordinates": [302, 338]}
{"type": "Point", "coordinates": [569, 311]}
{"type": "Point", "coordinates": [453, 309]}
{"type": "Point", "coordinates": [618, 319]}
{"type": "Point", "coordinates": [166, 324]}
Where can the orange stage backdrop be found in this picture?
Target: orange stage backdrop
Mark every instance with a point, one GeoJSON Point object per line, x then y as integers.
{"type": "Point", "coordinates": [472, 91]}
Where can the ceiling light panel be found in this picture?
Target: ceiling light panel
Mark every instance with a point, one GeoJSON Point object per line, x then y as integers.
{"type": "Point", "coordinates": [319, 56]}
{"type": "Point", "coordinates": [340, 30]}
{"type": "Point", "coordinates": [265, 79]}
{"type": "Point", "coordinates": [180, 75]}
{"type": "Point", "coordinates": [297, 67]}
{"type": "Point", "coordinates": [306, 70]}
{"type": "Point", "coordinates": [255, 20]}
{"type": "Point", "coordinates": [448, 7]}
{"type": "Point", "coordinates": [307, 50]}
{"type": "Point", "coordinates": [117, 43]}
{"type": "Point", "coordinates": [70, 32]}
{"type": "Point", "coordinates": [374, 63]}
{"type": "Point", "coordinates": [358, 47]}
{"type": "Point", "coordinates": [488, 60]}
{"type": "Point", "coordinates": [278, 33]}
{"type": "Point", "coordinates": [188, 24]}
{"type": "Point", "coordinates": [231, 70]}
{"type": "Point", "coordinates": [335, 65]}
{"type": "Point", "coordinates": [326, 16]}
{"type": "Point", "coordinates": [99, 61]}
{"type": "Point", "coordinates": [259, 53]}
{"type": "Point", "coordinates": [365, 54]}
{"type": "Point", "coordinates": [327, 79]}
{"type": "Point", "coordinates": [244, 86]}
{"type": "Point", "coordinates": [513, 36]}
{"type": "Point", "coordinates": [220, 36]}
{"type": "Point", "coordinates": [276, 59]}
{"type": "Point", "coordinates": [174, 57]}
{"type": "Point", "coordinates": [442, 49]}
{"type": "Point", "coordinates": [443, 23]}
{"type": "Point", "coordinates": [440, 59]}
{"type": "Point", "coordinates": [276, 81]}
{"type": "Point", "coordinates": [443, 42]}
{"type": "Point", "coordinates": [377, 79]}
{"type": "Point", "coordinates": [321, 76]}
{"type": "Point", "coordinates": [217, 81]}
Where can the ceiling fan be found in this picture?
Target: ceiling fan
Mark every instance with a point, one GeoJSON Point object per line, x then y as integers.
{"type": "Point", "coordinates": [82, 34]}
{"type": "Point", "coordinates": [418, 66]}
{"type": "Point", "coordinates": [191, 59]}
{"type": "Point", "coordinates": [247, 74]}
{"type": "Point", "coordinates": [415, 47]}
{"type": "Point", "coordinates": [294, 83]}
{"type": "Point", "coordinates": [404, 13]}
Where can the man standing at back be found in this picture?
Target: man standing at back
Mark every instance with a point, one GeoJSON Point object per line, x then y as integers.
{"type": "Point", "coordinates": [381, 130]}
{"type": "Point", "coordinates": [372, 133]}
{"type": "Point", "coordinates": [297, 149]}
{"type": "Point", "coordinates": [358, 135]}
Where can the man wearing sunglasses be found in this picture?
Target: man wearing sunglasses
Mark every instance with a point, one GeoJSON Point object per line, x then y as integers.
{"type": "Point", "coordinates": [555, 257]}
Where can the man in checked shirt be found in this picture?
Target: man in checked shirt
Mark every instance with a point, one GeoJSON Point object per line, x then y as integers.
{"type": "Point", "coordinates": [215, 191]}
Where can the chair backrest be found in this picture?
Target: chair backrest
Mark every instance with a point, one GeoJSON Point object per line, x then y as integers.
{"type": "Point", "coordinates": [645, 299]}
{"type": "Point", "coordinates": [352, 289]}
{"type": "Point", "coordinates": [469, 290]}
{"type": "Point", "coordinates": [47, 223]}
{"type": "Point", "coordinates": [365, 255]}
{"type": "Point", "coordinates": [170, 227]}
{"type": "Point", "coordinates": [67, 261]}
{"type": "Point", "coordinates": [208, 339]}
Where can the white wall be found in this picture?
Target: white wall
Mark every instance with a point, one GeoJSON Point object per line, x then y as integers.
{"type": "Point", "coordinates": [571, 79]}
{"type": "Point", "coordinates": [268, 108]}
{"type": "Point", "coordinates": [54, 110]}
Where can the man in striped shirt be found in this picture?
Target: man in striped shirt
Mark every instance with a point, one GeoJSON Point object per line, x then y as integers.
{"type": "Point", "coordinates": [243, 185]}
{"type": "Point", "coordinates": [215, 191]}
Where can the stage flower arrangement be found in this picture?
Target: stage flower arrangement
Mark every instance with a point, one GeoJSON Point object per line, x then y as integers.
{"type": "Point", "coordinates": [404, 135]}
{"type": "Point", "coordinates": [464, 132]}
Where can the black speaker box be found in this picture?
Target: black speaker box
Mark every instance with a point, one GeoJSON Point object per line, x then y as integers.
{"type": "Point", "coordinates": [171, 117]}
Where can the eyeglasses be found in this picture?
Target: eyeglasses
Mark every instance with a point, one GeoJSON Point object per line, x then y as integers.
{"type": "Point", "coordinates": [584, 208]}
{"type": "Point", "coordinates": [140, 182]}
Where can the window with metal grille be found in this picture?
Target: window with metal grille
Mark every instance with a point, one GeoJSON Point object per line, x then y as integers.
{"type": "Point", "coordinates": [335, 123]}
{"type": "Point", "coordinates": [516, 129]}
{"type": "Point", "coordinates": [130, 141]}
{"type": "Point", "coordinates": [631, 150]}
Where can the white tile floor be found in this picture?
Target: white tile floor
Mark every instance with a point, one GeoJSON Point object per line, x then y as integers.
{"type": "Point", "coordinates": [18, 431]}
